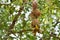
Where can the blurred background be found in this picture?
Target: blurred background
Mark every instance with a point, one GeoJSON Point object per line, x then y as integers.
{"type": "Point", "coordinates": [21, 30]}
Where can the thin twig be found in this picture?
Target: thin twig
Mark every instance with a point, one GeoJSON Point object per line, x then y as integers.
{"type": "Point", "coordinates": [15, 19]}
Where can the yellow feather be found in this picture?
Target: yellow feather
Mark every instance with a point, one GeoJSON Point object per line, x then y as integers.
{"type": "Point", "coordinates": [36, 27]}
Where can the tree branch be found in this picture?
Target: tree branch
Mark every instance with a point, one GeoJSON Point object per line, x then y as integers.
{"type": "Point", "coordinates": [15, 19]}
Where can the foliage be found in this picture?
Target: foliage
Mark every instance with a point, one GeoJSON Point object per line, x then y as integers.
{"type": "Point", "coordinates": [49, 20]}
